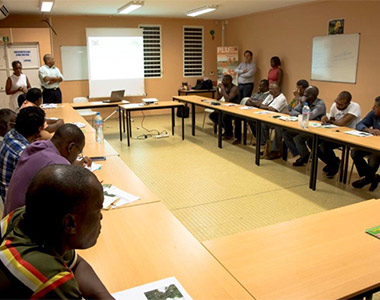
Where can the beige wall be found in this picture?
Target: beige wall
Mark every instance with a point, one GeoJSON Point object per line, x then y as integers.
{"type": "Point", "coordinates": [71, 32]}
{"type": "Point", "coordinates": [288, 33]}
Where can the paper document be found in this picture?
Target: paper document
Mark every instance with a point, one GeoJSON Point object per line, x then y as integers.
{"type": "Point", "coordinates": [284, 118]}
{"type": "Point", "coordinates": [313, 124]}
{"type": "Point", "coordinates": [264, 112]}
{"type": "Point", "coordinates": [125, 101]}
{"type": "Point", "coordinates": [115, 197]}
{"type": "Point", "coordinates": [94, 167]}
{"type": "Point", "coordinates": [358, 133]}
{"type": "Point", "coordinates": [134, 105]}
{"type": "Point", "coordinates": [168, 288]}
{"type": "Point", "coordinates": [79, 124]}
{"type": "Point", "coordinates": [49, 105]}
{"type": "Point", "coordinates": [329, 126]}
{"type": "Point", "coordinates": [230, 104]}
{"type": "Point", "coordinates": [247, 107]}
{"type": "Point", "coordinates": [149, 99]}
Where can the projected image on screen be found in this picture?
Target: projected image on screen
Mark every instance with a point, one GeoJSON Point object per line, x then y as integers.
{"type": "Point", "coordinates": [115, 61]}
{"type": "Point", "coordinates": [116, 57]}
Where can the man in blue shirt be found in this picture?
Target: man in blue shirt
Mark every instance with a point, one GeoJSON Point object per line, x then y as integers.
{"type": "Point", "coordinates": [367, 170]}
{"type": "Point", "coordinates": [29, 123]}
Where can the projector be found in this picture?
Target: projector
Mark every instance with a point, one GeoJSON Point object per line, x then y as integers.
{"type": "Point", "coordinates": [149, 100]}
{"type": "Point", "coordinates": [3, 11]}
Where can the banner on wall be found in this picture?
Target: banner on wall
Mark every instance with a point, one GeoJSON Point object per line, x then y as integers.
{"type": "Point", "coordinates": [227, 62]}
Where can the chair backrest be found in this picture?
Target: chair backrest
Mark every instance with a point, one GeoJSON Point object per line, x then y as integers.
{"type": "Point", "coordinates": [244, 100]}
{"type": "Point", "coordinates": [80, 100]}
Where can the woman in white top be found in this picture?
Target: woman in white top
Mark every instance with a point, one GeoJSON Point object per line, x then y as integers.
{"type": "Point", "coordinates": [17, 84]}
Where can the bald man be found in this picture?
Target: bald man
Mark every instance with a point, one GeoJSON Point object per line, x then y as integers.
{"type": "Point", "coordinates": [296, 142]}
{"type": "Point", "coordinates": [50, 78]}
{"type": "Point", "coordinates": [38, 242]}
{"type": "Point", "coordinates": [63, 148]}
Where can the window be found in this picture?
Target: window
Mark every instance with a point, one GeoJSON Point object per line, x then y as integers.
{"type": "Point", "coordinates": [192, 51]}
{"type": "Point", "coordinates": [152, 50]}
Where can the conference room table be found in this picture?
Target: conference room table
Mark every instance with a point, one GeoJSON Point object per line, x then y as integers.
{"type": "Point", "coordinates": [92, 148]}
{"type": "Point", "coordinates": [195, 92]}
{"type": "Point", "coordinates": [114, 171]}
{"type": "Point", "coordinates": [146, 243]}
{"type": "Point", "coordinates": [336, 135]}
{"type": "Point", "coordinates": [97, 104]}
{"type": "Point", "coordinates": [322, 256]}
{"type": "Point", "coordinates": [126, 109]}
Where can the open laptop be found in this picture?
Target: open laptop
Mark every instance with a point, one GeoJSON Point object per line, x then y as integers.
{"type": "Point", "coordinates": [116, 96]}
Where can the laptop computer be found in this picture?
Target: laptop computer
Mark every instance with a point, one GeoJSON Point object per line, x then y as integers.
{"type": "Point", "coordinates": [116, 96]}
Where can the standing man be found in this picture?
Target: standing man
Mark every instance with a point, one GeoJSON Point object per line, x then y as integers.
{"type": "Point", "coordinates": [246, 72]}
{"type": "Point", "coordinates": [50, 77]}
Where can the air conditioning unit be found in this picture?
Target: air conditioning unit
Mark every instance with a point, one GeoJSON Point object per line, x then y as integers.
{"type": "Point", "coordinates": [4, 12]}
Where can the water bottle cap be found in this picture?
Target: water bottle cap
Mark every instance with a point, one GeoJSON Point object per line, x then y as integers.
{"type": "Point", "coordinates": [98, 113]}
{"type": "Point", "coordinates": [306, 104]}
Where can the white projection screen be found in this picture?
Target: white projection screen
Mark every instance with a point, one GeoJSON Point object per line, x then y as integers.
{"type": "Point", "coordinates": [115, 61]}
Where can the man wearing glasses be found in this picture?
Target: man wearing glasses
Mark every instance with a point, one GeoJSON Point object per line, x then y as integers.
{"type": "Point", "coordinates": [64, 148]}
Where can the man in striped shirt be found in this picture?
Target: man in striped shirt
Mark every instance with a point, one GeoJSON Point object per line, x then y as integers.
{"type": "Point", "coordinates": [38, 241]}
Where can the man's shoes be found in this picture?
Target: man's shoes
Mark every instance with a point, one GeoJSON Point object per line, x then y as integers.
{"type": "Point", "coordinates": [326, 169]}
{"type": "Point", "coordinates": [228, 137]}
{"type": "Point", "coordinates": [274, 155]}
{"type": "Point", "coordinates": [358, 184]}
{"type": "Point", "coordinates": [331, 172]}
{"type": "Point", "coordinates": [301, 161]}
{"type": "Point", "coordinates": [236, 142]}
{"type": "Point", "coordinates": [374, 183]}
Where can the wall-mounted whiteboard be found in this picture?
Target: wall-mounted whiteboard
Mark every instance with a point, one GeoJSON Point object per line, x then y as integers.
{"type": "Point", "coordinates": [335, 57]}
{"type": "Point", "coordinates": [74, 62]}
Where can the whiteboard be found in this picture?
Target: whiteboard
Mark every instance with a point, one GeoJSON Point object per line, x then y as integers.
{"type": "Point", "coordinates": [335, 57]}
{"type": "Point", "coordinates": [74, 62]}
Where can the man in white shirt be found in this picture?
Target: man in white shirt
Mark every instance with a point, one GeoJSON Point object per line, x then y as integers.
{"type": "Point", "coordinates": [343, 112]}
{"type": "Point", "coordinates": [275, 101]}
{"type": "Point", "coordinates": [246, 75]}
{"type": "Point", "coordinates": [50, 77]}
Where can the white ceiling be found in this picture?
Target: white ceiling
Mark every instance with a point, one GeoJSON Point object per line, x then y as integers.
{"type": "Point", "coordinates": [152, 8]}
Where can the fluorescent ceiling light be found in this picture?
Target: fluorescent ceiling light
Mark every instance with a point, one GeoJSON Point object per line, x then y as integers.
{"type": "Point", "coordinates": [202, 10]}
{"type": "Point", "coordinates": [46, 6]}
{"type": "Point", "coordinates": [131, 6]}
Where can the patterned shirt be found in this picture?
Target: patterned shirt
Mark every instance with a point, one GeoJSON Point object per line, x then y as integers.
{"type": "Point", "coordinates": [29, 270]}
{"type": "Point", "coordinates": [317, 110]}
{"type": "Point", "coordinates": [10, 150]}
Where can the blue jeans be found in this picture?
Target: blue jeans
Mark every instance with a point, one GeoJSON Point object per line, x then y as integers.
{"type": "Point", "coordinates": [245, 90]}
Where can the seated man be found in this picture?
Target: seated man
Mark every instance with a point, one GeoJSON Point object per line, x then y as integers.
{"type": "Point", "coordinates": [296, 142]}
{"type": "Point", "coordinates": [34, 98]}
{"type": "Point", "coordinates": [367, 170]}
{"type": "Point", "coordinates": [230, 93]}
{"type": "Point", "coordinates": [7, 121]}
{"type": "Point", "coordinates": [29, 123]}
{"type": "Point", "coordinates": [276, 101]}
{"type": "Point", "coordinates": [38, 241]}
{"type": "Point", "coordinates": [302, 84]}
{"type": "Point", "coordinates": [255, 100]}
{"type": "Point", "coordinates": [343, 112]}
{"type": "Point", "coordinates": [63, 148]}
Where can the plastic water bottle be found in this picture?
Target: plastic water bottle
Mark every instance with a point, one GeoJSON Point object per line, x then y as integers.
{"type": "Point", "coordinates": [305, 115]}
{"type": "Point", "coordinates": [98, 122]}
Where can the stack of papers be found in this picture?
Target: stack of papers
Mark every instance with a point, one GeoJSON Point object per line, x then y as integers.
{"type": "Point", "coordinates": [264, 112]}
{"type": "Point", "coordinates": [168, 288]}
{"type": "Point", "coordinates": [79, 124]}
{"type": "Point", "coordinates": [358, 133]}
{"type": "Point", "coordinates": [49, 105]}
{"type": "Point", "coordinates": [247, 107]}
{"type": "Point", "coordinates": [94, 167]}
{"type": "Point", "coordinates": [115, 197]}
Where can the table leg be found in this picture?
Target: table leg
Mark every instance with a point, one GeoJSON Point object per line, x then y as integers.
{"type": "Point", "coordinates": [284, 151]}
{"type": "Point", "coordinates": [123, 112]}
{"type": "Point", "coordinates": [183, 128]}
{"type": "Point", "coordinates": [220, 117]}
{"type": "Point", "coordinates": [341, 167]}
{"type": "Point", "coordinates": [130, 123]}
{"type": "Point", "coordinates": [258, 141]}
{"type": "Point", "coordinates": [121, 133]}
{"type": "Point", "coordinates": [314, 163]}
{"type": "Point", "coordinates": [128, 129]}
{"type": "Point", "coordinates": [345, 170]}
{"type": "Point", "coordinates": [192, 118]}
{"type": "Point", "coordinates": [173, 120]}
{"type": "Point", "coordinates": [245, 132]}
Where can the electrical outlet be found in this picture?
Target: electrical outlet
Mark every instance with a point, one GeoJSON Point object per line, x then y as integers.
{"type": "Point", "coordinates": [159, 136]}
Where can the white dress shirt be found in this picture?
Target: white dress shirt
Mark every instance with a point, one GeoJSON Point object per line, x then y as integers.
{"type": "Point", "coordinates": [50, 72]}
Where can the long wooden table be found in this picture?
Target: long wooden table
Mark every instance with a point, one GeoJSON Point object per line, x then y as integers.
{"type": "Point", "coordinates": [336, 135]}
{"type": "Point", "coordinates": [126, 109]}
{"type": "Point", "coordinates": [323, 256]}
{"type": "Point", "coordinates": [145, 243]}
{"type": "Point", "coordinates": [116, 172]}
{"type": "Point", "coordinates": [193, 92]}
{"type": "Point", "coordinates": [97, 104]}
